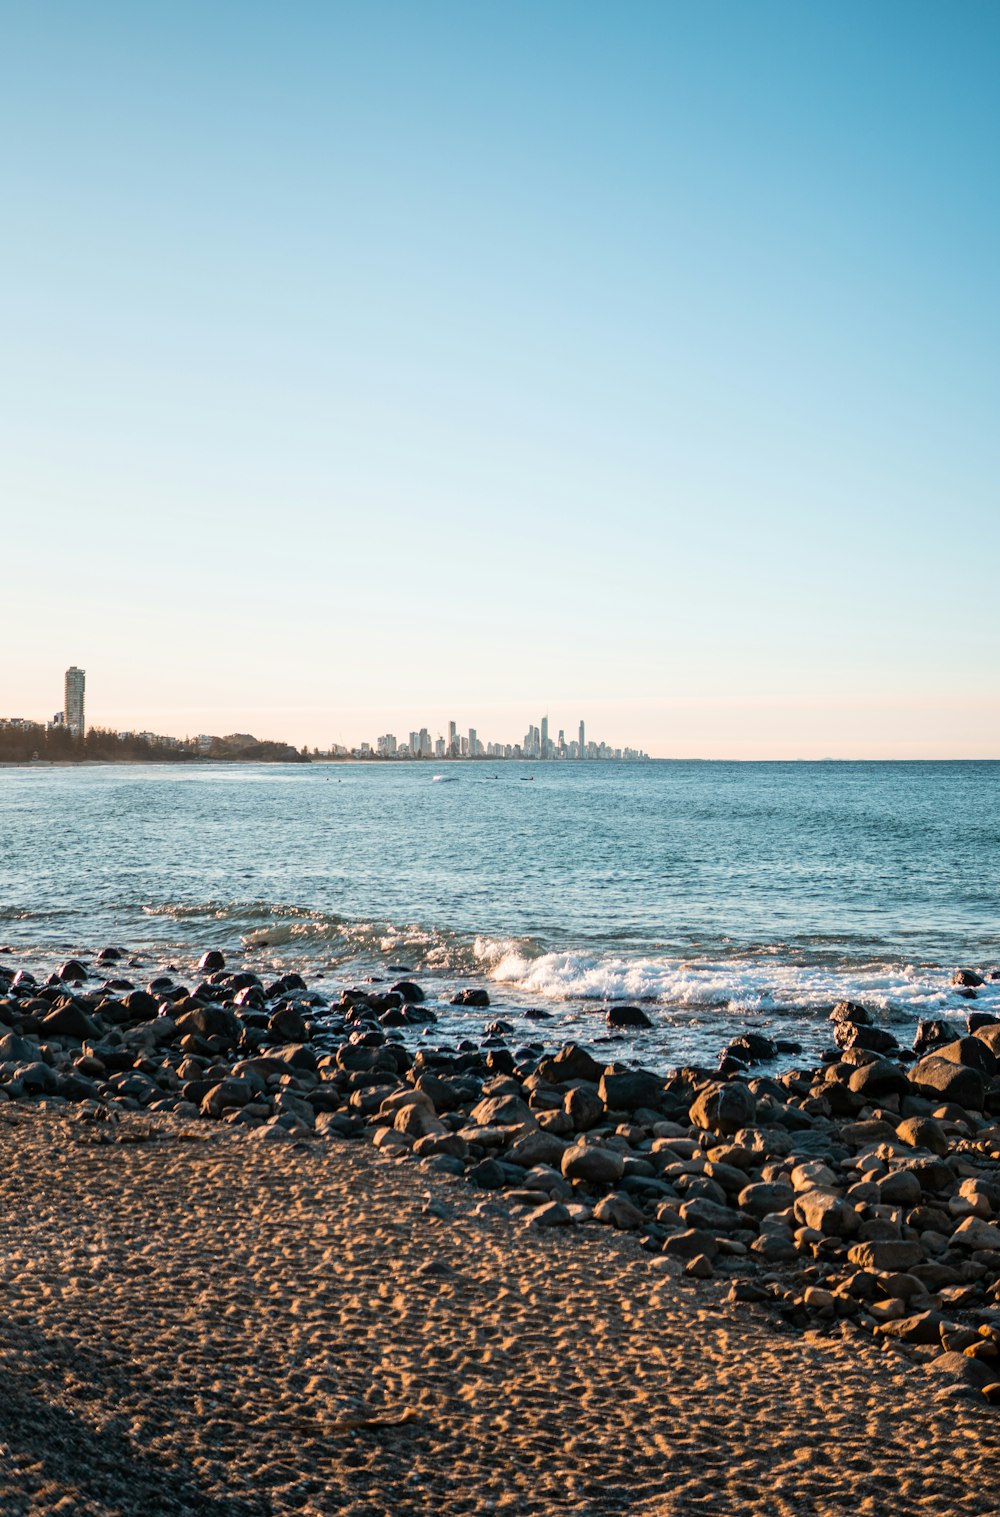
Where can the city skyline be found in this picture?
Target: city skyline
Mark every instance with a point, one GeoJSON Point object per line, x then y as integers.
{"type": "Point", "coordinates": [536, 744]}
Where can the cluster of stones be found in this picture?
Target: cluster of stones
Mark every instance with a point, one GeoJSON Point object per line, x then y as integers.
{"type": "Point", "coordinates": [862, 1193]}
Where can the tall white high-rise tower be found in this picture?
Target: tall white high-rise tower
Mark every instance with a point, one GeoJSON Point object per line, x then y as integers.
{"type": "Point", "coordinates": [73, 702]}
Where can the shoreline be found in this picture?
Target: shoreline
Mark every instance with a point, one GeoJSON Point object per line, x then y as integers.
{"type": "Point", "coordinates": [265, 1260]}
{"type": "Point", "coordinates": [858, 1196]}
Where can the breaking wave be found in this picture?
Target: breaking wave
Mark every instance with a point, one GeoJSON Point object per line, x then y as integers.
{"type": "Point", "coordinates": [746, 984]}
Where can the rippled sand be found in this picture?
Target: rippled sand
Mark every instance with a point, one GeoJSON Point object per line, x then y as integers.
{"type": "Point", "coordinates": [214, 1323]}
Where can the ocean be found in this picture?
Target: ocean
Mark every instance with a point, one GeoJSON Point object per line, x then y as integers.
{"type": "Point", "coordinates": [719, 896]}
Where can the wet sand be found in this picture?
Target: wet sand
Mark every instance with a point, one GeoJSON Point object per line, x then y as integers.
{"type": "Point", "coordinates": [209, 1322]}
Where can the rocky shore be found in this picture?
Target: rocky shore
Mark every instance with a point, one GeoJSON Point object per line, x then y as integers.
{"type": "Point", "coordinates": [859, 1199]}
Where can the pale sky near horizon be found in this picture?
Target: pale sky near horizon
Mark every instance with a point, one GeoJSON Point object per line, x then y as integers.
{"type": "Point", "coordinates": [367, 365]}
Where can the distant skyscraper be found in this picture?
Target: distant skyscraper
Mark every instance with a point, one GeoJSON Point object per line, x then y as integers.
{"type": "Point", "coordinates": [545, 738]}
{"type": "Point", "coordinates": [453, 748]}
{"type": "Point", "coordinates": [73, 703]}
{"type": "Point", "coordinates": [583, 745]}
{"type": "Point", "coordinates": [473, 742]}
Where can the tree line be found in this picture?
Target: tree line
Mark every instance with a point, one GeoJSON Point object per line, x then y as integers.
{"type": "Point", "coordinates": [58, 745]}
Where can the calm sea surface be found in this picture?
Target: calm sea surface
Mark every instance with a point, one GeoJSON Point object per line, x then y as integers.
{"type": "Point", "coordinates": [722, 895]}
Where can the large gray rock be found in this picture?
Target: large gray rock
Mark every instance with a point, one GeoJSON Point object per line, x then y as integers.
{"type": "Point", "coordinates": [419, 1120]}
{"type": "Point", "coordinates": [973, 1052]}
{"type": "Point", "coordinates": [592, 1165]}
{"type": "Point", "coordinates": [901, 1187]}
{"type": "Point", "coordinates": [765, 1197]}
{"type": "Point", "coordinates": [889, 1255]}
{"type": "Point", "coordinates": [990, 1035]}
{"type": "Point", "coordinates": [17, 1050]}
{"type": "Point", "coordinates": [67, 1020]}
{"type": "Point", "coordinates": [872, 1039]}
{"type": "Point", "coordinates": [975, 1234]}
{"type": "Point", "coordinates": [923, 1327]}
{"type": "Point", "coordinates": [850, 1011]}
{"type": "Point", "coordinates": [503, 1111]}
{"type": "Point", "coordinates": [923, 1132]}
{"type": "Point", "coordinates": [949, 1082]}
{"type": "Point", "coordinates": [209, 1022]}
{"type": "Point", "coordinates": [723, 1108]}
{"type": "Point", "coordinates": [710, 1216]}
{"type": "Point", "coordinates": [829, 1214]}
{"type": "Point", "coordinates": [584, 1107]}
{"type": "Point", "coordinates": [571, 1063]}
{"type": "Point", "coordinates": [536, 1148]}
{"type": "Point", "coordinates": [37, 1078]}
{"type": "Point", "coordinates": [961, 1367]}
{"type": "Point", "coordinates": [550, 1214]}
{"type": "Point", "coordinates": [689, 1244]}
{"type": "Point", "coordinates": [879, 1078]}
{"type": "Point", "coordinates": [618, 1211]}
{"type": "Point", "coordinates": [228, 1095]}
{"type": "Point", "coordinates": [630, 1090]}
{"type": "Point", "coordinates": [627, 1016]}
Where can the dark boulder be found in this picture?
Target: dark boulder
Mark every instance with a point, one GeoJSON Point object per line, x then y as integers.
{"type": "Point", "coordinates": [67, 1020]}
{"type": "Point", "coordinates": [409, 991]}
{"type": "Point", "coordinates": [631, 1089]}
{"type": "Point", "coordinates": [287, 1025]}
{"type": "Point", "coordinates": [968, 978]}
{"type": "Point", "coordinates": [72, 970]}
{"type": "Point", "coordinates": [584, 1107]}
{"type": "Point", "coordinates": [472, 996]}
{"type": "Point", "coordinates": [990, 1035]}
{"type": "Point", "coordinates": [723, 1108]}
{"type": "Point", "coordinates": [140, 1006]}
{"type": "Point", "coordinates": [38, 1078]}
{"type": "Point", "coordinates": [571, 1063]}
{"type": "Point", "coordinates": [972, 1052]}
{"type": "Point", "coordinates": [488, 1175]}
{"type": "Point", "coordinates": [209, 1022]}
{"type": "Point", "coordinates": [251, 997]}
{"type": "Point", "coordinates": [931, 1035]}
{"type": "Point", "coordinates": [689, 1244]}
{"type": "Point", "coordinates": [950, 1082]}
{"type": "Point", "coordinates": [857, 1035]}
{"type": "Point", "coordinates": [210, 961]}
{"type": "Point", "coordinates": [627, 1016]}
{"type": "Point", "coordinates": [879, 1078]}
{"type": "Point", "coordinates": [850, 1011]}
{"type": "Point", "coordinates": [751, 1048]}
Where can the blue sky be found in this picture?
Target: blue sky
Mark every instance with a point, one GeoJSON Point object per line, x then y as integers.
{"type": "Point", "coordinates": [367, 365]}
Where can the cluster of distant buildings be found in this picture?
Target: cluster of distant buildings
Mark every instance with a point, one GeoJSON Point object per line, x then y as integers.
{"type": "Point", "coordinates": [71, 718]}
{"type": "Point", "coordinates": [537, 744]}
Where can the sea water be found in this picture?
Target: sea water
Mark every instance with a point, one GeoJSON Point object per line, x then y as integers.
{"type": "Point", "coordinates": [720, 896]}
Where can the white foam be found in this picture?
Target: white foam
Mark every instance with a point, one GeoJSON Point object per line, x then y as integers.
{"type": "Point", "coordinates": [739, 984]}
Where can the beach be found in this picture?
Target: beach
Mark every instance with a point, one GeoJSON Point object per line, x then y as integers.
{"type": "Point", "coordinates": [197, 1322]}
{"type": "Point", "coordinates": [264, 1255]}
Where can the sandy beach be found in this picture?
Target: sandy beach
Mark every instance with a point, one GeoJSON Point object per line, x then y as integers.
{"type": "Point", "coordinates": [197, 1321]}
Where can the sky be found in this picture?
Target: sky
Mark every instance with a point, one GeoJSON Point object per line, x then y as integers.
{"type": "Point", "coordinates": [364, 366]}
